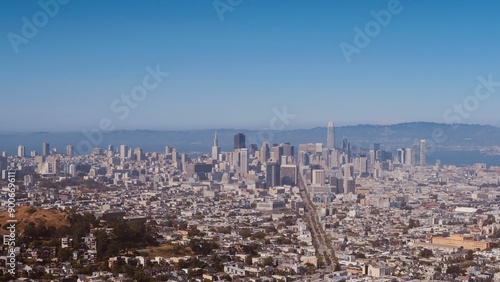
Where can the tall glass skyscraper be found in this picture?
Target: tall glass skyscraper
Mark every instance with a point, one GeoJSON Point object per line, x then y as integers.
{"type": "Point", "coordinates": [239, 141]}
{"type": "Point", "coordinates": [330, 136]}
{"type": "Point", "coordinates": [423, 153]}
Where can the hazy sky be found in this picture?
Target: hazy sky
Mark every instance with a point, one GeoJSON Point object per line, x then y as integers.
{"type": "Point", "coordinates": [233, 72]}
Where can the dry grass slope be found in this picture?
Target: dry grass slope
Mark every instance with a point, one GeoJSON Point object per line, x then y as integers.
{"type": "Point", "coordinates": [26, 214]}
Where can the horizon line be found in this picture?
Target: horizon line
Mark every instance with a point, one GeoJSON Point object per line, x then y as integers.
{"type": "Point", "coordinates": [256, 129]}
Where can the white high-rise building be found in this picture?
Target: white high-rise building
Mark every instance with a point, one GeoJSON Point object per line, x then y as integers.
{"type": "Point", "coordinates": [330, 136]}
{"type": "Point", "coordinates": [123, 151]}
{"type": "Point", "coordinates": [20, 151]}
{"type": "Point", "coordinates": [244, 160]}
{"type": "Point", "coordinates": [423, 153]}
{"type": "Point", "coordinates": [72, 170]}
{"type": "Point", "coordinates": [401, 155]}
{"type": "Point", "coordinates": [215, 148]}
{"type": "Point", "coordinates": [408, 156]}
{"type": "Point", "coordinates": [69, 150]}
{"type": "Point", "coordinates": [318, 177]}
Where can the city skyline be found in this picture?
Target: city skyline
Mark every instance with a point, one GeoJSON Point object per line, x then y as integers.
{"type": "Point", "coordinates": [238, 140]}
{"type": "Point", "coordinates": [290, 57]}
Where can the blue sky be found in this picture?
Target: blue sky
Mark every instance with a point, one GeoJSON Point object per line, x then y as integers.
{"type": "Point", "coordinates": [233, 73]}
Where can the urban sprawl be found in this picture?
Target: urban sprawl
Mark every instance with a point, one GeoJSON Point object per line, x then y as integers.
{"type": "Point", "coordinates": [266, 212]}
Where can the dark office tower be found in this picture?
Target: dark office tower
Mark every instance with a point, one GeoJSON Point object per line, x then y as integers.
{"type": "Point", "coordinates": [346, 147]}
{"type": "Point", "coordinates": [288, 175]}
{"type": "Point", "coordinates": [239, 141]}
{"type": "Point", "coordinates": [272, 175]}
{"type": "Point", "coordinates": [330, 136]}
{"type": "Point", "coordinates": [45, 149]}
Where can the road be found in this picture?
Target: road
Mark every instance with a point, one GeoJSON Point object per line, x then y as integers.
{"type": "Point", "coordinates": [319, 236]}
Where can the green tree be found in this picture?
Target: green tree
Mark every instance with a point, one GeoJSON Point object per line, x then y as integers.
{"type": "Point", "coordinates": [469, 255]}
{"type": "Point", "coordinates": [426, 253]}
{"type": "Point", "coordinates": [64, 255]}
{"type": "Point", "coordinates": [268, 261]}
{"type": "Point", "coordinates": [245, 232]}
{"type": "Point", "coordinates": [248, 259]}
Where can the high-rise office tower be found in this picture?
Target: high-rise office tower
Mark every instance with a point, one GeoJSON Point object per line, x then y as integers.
{"type": "Point", "coordinates": [349, 183]}
{"type": "Point", "coordinates": [244, 160]}
{"type": "Point", "coordinates": [252, 149]}
{"type": "Point", "coordinates": [45, 149]}
{"type": "Point", "coordinates": [21, 151]}
{"type": "Point", "coordinates": [288, 150]}
{"type": "Point", "coordinates": [272, 175]}
{"type": "Point", "coordinates": [288, 175]}
{"type": "Point", "coordinates": [334, 158]}
{"type": "Point", "coordinates": [423, 152]}
{"type": "Point", "coordinates": [371, 155]}
{"type": "Point", "coordinates": [318, 177]}
{"type": "Point", "coordinates": [72, 170]}
{"type": "Point", "coordinates": [168, 150]}
{"type": "Point", "coordinates": [363, 163]}
{"type": "Point", "coordinates": [138, 155]}
{"type": "Point", "coordinates": [3, 164]}
{"type": "Point", "coordinates": [330, 136]}
{"type": "Point", "coordinates": [408, 156]}
{"type": "Point", "coordinates": [215, 148]}
{"type": "Point", "coordinates": [111, 148]}
{"type": "Point", "coordinates": [346, 147]}
{"type": "Point", "coordinates": [239, 141]}
{"type": "Point", "coordinates": [69, 150]}
{"type": "Point", "coordinates": [401, 155]}
{"type": "Point", "coordinates": [414, 154]}
{"type": "Point", "coordinates": [264, 153]}
{"type": "Point", "coordinates": [175, 155]}
{"type": "Point", "coordinates": [276, 153]}
{"type": "Point", "coordinates": [123, 151]}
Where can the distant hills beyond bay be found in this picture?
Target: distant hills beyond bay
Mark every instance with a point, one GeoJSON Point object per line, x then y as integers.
{"type": "Point", "coordinates": [458, 137]}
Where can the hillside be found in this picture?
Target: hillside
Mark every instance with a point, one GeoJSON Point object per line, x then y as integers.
{"type": "Point", "coordinates": [26, 214]}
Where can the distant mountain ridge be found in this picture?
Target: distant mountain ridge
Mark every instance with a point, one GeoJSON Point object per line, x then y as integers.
{"type": "Point", "coordinates": [464, 136]}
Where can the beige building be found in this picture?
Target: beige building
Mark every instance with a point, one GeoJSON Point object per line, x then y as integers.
{"type": "Point", "coordinates": [457, 241]}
